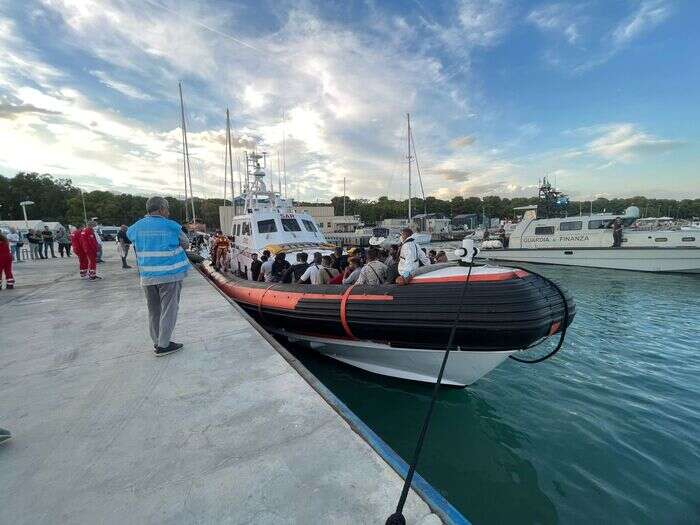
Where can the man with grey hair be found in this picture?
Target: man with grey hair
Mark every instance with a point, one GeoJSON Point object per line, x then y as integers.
{"type": "Point", "coordinates": [159, 245]}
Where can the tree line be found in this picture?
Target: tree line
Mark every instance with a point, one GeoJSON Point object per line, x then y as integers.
{"type": "Point", "coordinates": [373, 211]}
{"type": "Point", "coordinates": [57, 199]}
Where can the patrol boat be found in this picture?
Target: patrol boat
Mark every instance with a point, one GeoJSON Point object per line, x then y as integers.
{"type": "Point", "coordinates": [587, 240]}
{"type": "Point", "coordinates": [398, 331]}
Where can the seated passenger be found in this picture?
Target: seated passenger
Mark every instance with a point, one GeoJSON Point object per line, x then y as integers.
{"type": "Point", "coordinates": [279, 268]}
{"type": "Point", "coordinates": [441, 257]}
{"type": "Point", "coordinates": [340, 261]}
{"type": "Point", "coordinates": [375, 272]}
{"type": "Point", "coordinates": [352, 272]}
{"type": "Point", "coordinates": [326, 270]}
{"type": "Point", "coordinates": [294, 272]}
{"type": "Point", "coordinates": [313, 272]}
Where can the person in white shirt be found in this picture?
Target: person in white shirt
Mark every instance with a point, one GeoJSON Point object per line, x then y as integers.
{"type": "Point", "coordinates": [266, 270]}
{"type": "Point", "coordinates": [15, 240]}
{"type": "Point", "coordinates": [410, 257]}
{"type": "Point", "coordinates": [313, 272]}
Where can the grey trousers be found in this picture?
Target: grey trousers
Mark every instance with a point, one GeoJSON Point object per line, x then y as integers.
{"type": "Point", "coordinates": [163, 302]}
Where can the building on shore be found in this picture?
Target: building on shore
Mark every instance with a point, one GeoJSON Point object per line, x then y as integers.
{"type": "Point", "coordinates": [328, 222]}
{"type": "Point", "coordinates": [467, 221]}
{"type": "Point", "coordinates": [432, 223]}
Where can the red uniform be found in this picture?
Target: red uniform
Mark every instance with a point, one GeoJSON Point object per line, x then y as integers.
{"type": "Point", "coordinates": [6, 264]}
{"type": "Point", "coordinates": [78, 251]}
{"type": "Point", "coordinates": [89, 247]}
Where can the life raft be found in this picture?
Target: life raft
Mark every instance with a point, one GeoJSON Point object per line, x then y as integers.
{"type": "Point", "coordinates": [503, 308]}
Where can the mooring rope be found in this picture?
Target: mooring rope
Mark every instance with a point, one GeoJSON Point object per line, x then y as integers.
{"type": "Point", "coordinates": [397, 518]}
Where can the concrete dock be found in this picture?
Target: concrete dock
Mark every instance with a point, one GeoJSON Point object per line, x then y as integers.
{"type": "Point", "coordinates": [224, 431]}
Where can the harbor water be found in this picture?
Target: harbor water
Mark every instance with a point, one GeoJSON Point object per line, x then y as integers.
{"type": "Point", "coordinates": [608, 431]}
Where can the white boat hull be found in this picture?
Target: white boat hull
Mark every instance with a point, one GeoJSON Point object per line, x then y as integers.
{"type": "Point", "coordinates": [673, 260]}
{"type": "Point", "coordinates": [462, 369]}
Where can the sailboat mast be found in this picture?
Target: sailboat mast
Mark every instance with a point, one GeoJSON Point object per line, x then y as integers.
{"type": "Point", "coordinates": [408, 141]}
{"type": "Point", "coordinates": [184, 153]}
{"type": "Point", "coordinates": [230, 154]}
{"type": "Point", "coordinates": [284, 152]}
{"type": "Point", "coordinates": [187, 151]}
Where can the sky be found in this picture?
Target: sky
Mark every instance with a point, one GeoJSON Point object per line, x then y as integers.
{"type": "Point", "coordinates": [601, 96]}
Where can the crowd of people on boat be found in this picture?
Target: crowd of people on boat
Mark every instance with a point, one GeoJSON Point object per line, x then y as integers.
{"type": "Point", "coordinates": [373, 266]}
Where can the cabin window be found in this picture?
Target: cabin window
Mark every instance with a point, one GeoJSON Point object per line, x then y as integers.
{"type": "Point", "coordinates": [245, 228]}
{"type": "Point", "coordinates": [688, 239]}
{"type": "Point", "coordinates": [661, 239]}
{"type": "Point", "coordinates": [570, 226]}
{"type": "Point", "coordinates": [267, 226]}
{"type": "Point", "coordinates": [309, 225]}
{"type": "Point", "coordinates": [599, 224]}
{"type": "Point", "coordinates": [544, 230]}
{"type": "Point", "coordinates": [290, 225]}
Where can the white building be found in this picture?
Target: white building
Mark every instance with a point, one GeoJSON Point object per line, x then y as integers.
{"type": "Point", "coordinates": [328, 222]}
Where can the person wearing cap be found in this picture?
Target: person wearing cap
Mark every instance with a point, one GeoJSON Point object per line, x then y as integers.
{"type": "Point", "coordinates": [159, 245]}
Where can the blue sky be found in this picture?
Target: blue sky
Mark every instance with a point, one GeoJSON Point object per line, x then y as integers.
{"type": "Point", "coordinates": [602, 96]}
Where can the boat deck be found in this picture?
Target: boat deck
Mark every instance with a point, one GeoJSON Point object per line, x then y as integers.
{"type": "Point", "coordinates": [223, 431]}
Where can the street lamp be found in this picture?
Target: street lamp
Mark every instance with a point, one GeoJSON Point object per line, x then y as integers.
{"type": "Point", "coordinates": [24, 205]}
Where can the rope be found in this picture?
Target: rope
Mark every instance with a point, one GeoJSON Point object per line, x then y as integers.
{"type": "Point", "coordinates": [398, 518]}
{"type": "Point", "coordinates": [562, 334]}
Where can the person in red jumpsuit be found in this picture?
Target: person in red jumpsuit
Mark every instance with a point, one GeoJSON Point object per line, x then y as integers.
{"type": "Point", "coordinates": [78, 251]}
{"type": "Point", "coordinates": [89, 246]}
{"type": "Point", "coordinates": [6, 262]}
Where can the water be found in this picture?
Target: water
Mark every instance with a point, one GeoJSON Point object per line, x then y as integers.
{"type": "Point", "coordinates": [606, 432]}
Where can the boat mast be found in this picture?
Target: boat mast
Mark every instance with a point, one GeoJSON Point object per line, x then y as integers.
{"type": "Point", "coordinates": [284, 152]}
{"type": "Point", "coordinates": [408, 157]}
{"type": "Point", "coordinates": [230, 156]}
{"type": "Point", "coordinates": [184, 153]}
{"type": "Point", "coordinates": [225, 168]}
{"type": "Point", "coordinates": [344, 214]}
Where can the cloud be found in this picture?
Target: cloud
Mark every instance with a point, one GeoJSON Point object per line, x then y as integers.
{"type": "Point", "coordinates": [624, 142]}
{"type": "Point", "coordinates": [556, 18]}
{"type": "Point", "coordinates": [121, 87]}
{"type": "Point", "coordinates": [484, 22]}
{"type": "Point", "coordinates": [10, 111]}
{"type": "Point", "coordinates": [649, 14]}
{"type": "Point", "coordinates": [452, 174]}
{"type": "Point", "coordinates": [462, 142]}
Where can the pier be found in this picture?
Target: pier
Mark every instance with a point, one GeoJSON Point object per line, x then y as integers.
{"type": "Point", "coordinates": [229, 429]}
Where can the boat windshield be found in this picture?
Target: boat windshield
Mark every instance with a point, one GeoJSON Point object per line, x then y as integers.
{"type": "Point", "coordinates": [267, 226]}
{"type": "Point", "coordinates": [309, 225]}
{"type": "Point", "coordinates": [290, 225]}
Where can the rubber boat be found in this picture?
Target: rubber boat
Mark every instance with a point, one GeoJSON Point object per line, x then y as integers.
{"type": "Point", "coordinates": [398, 331]}
{"type": "Point", "coordinates": [402, 331]}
